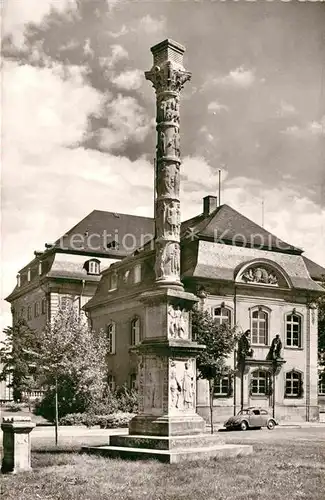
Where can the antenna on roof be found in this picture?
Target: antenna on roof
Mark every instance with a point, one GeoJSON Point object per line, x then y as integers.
{"type": "Point", "coordinates": [263, 212]}
{"type": "Point", "coordinates": [219, 187]}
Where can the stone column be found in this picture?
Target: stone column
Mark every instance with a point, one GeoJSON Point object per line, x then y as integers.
{"type": "Point", "coordinates": [16, 444]}
{"type": "Point", "coordinates": [167, 364]}
{"type": "Point", "coordinates": [168, 77]}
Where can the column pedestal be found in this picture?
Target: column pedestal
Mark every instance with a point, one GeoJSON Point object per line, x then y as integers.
{"type": "Point", "coordinates": [167, 427]}
{"type": "Point", "coordinates": [16, 444]}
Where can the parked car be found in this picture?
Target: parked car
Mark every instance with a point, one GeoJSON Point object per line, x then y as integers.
{"type": "Point", "coordinates": [251, 418]}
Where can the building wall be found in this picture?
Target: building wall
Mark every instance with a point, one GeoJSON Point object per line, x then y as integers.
{"type": "Point", "coordinates": [304, 359]}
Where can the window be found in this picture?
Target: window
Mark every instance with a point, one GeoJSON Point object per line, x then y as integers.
{"type": "Point", "coordinates": [222, 387]}
{"type": "Point", "coordinates": [65, 303]}
{"type": "Point", "coordinates": [111, 382]}
{"type": "Point", "coordinates": [40, 268]}
{"type": "Point", "coordinates": [111, 333]}
{"type": "Point", "coordinates": [321, 384]}
{"type": "Point", "coordinates": [36, 309]}
{"type": "Point", "coordinates": [22, 312]}
{"type": "Point", "coordinates": [18, 280]}
{"type": "Point", "coordinates": [260, 382]}
{"type": "Point", "coordinates": [293, 384]}
{"type": "Point", "coordinates": [28, 275]}
{"type": "Point", "coordinates": [137, 273]}
{"type": "Point", "coordinates": [133, 381]}
{"type": "Point", "coordinates": [113, 281]}
{"type": "Point", "coordinates": [222, 315]}
{"type": "Point", "coordinates": [93, 267]}
{"type": "Point", "coordinates": [260, 327]}
{"type": "Point", "coordinates": [29, 312]}
{"type": "Point", "coordinates": [293, 330]}
{"type": "Point", "coordinates": [43, 306]}
{"type": "Point", "coordinates": [135, 331]}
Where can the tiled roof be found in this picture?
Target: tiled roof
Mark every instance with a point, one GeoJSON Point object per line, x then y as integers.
{"type": "Point", "coordinates": [99, 229]}
{"type": "Point", "coordinates": [316, 271]}
{"type": "Point", "coordinates": [226, 225]}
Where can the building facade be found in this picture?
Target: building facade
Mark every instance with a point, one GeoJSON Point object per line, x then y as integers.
{"type": "Point", "coordinates": [265, 288]}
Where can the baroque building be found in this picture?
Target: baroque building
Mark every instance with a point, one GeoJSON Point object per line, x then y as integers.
{"type": "Point", "coordinates": [258, 283]}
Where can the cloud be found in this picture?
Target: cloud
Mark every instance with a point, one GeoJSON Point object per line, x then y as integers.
{"type": "Point", "coordinates": [311, 129]}
{"type": "Point", "coordinates": [127, 120]}
{"type": "Point", "coordinates": [215, 107]}
{"type": "Point", "coordinates": [129, 80]}
{"type": "Point", "coordinates": [151, 25]}
{"type": "Point", "coordinates": [118, 53]}
{"type": "Point", "coordinates": [17, 14]}
{"type": "Point", "coordinates": [286, 109]}
{"type": "Point", "coordinates": [239, 77]}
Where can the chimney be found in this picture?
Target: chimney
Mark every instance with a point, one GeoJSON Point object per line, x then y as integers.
{"type": "Point", "coordinates": [210, 204]}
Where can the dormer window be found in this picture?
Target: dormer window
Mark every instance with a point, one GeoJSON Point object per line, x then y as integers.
{"type": "Point", "coordinates": [137, 273]}
{"type": "Point", "coordinates": [40, 268]}
{"type": "Point", "coordinates": [113, 281]}
{"type": "Point", "coordinates": [28, 275]}
{"type": "Point", "coordinates": [92, 266]}
{"type": "Point", "coordinates": [18, 280]}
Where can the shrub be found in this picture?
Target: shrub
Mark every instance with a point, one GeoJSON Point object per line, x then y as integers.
{"type": "Point", "coordinates": [112, 421]}
{"type": "Point", "coordinates": [14, 407]}
{"type": "Point", "coordinates": [119, 419]}
{"type": "Point", "coordinates": [72, 419]}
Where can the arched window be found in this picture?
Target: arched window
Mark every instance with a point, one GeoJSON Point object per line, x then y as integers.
{"type": "Point", "coordinates": [92, 266]}
{"type": "Point", "coordinates": [260, 327]}
{"type": "Point", "coordinates": [260, 383]}
{"type": "Point", "coordinates": [222, 315]}
{"type": "Point", "coordinates": [321, 384]}
{"type": "Point", "coordinates": [135, 331]}
{"type": "Point", "coordinates": [293, 330]}
{"type": "Point", "coordinates": [293, 384]}
{"type": "Point", "coordinates": [111, 333]}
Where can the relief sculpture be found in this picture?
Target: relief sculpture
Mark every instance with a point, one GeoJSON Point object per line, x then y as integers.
{"type": "Point", "coordinates": [168, 180]}
{"type": "Point", "coordinates": [168, 110]}
{"type": "Point", "coordinates": [259, 275]}
{"type": "Point", "coordinates": [182, 385]}
{"type": "Point", "coordinates": [167, 261]}
{"type": "Point", "coordinates": [169, 218]}
{"type": "Point", "coordinates": [177, 323]}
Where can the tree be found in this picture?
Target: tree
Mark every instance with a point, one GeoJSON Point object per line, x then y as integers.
{"type": "Point", "coordinates": [220, 341]}
{"type": "Point", "coordinates": [71, 363]}
{"type": "Point", "coordinates": [15, 358]}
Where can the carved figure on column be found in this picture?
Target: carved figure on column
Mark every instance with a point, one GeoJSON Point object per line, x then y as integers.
{"type": "Point", "coordinates": [161, 147]}
{"type": "Point", "coordinates": [168, 180]}
{"type": "Point", "coordinates": [167, 261]}
{"type": "Point", "coordinates": [173, 218]}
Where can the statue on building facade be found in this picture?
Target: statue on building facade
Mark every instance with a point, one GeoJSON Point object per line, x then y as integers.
{"type": "Point", "coordinates": [244, 347]}
{"type": "Point", "coordinates": [275, 349]}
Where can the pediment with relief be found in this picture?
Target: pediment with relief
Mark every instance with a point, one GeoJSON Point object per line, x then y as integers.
{"type": "Point", "coordinates": [260, 275]}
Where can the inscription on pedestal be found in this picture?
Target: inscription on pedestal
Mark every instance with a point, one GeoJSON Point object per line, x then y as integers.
{"type": "Point", "coordinates": [150, 383]}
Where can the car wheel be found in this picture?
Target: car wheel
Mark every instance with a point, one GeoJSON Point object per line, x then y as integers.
{"type": "Point", "coordinates": [243, 426]}
{"type": "Point", "coordinates": [271, 425]}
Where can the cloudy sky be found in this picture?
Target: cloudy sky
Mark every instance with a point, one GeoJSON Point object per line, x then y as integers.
{"type": "Point", "coordinates": [78, 115]}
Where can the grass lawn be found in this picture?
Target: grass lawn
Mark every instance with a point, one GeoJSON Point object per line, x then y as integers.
{"type": "Point", "coordinates": [291, 466]}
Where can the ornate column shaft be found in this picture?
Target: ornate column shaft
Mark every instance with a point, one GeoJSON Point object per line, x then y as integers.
{"type": "Point", "coordinates": [168, 77]}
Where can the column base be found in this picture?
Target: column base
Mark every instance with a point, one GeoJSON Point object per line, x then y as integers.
{"type": "Point", "coordinates": [169, 449]}
{"type": "Point", "coordinates": [167, 425]}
